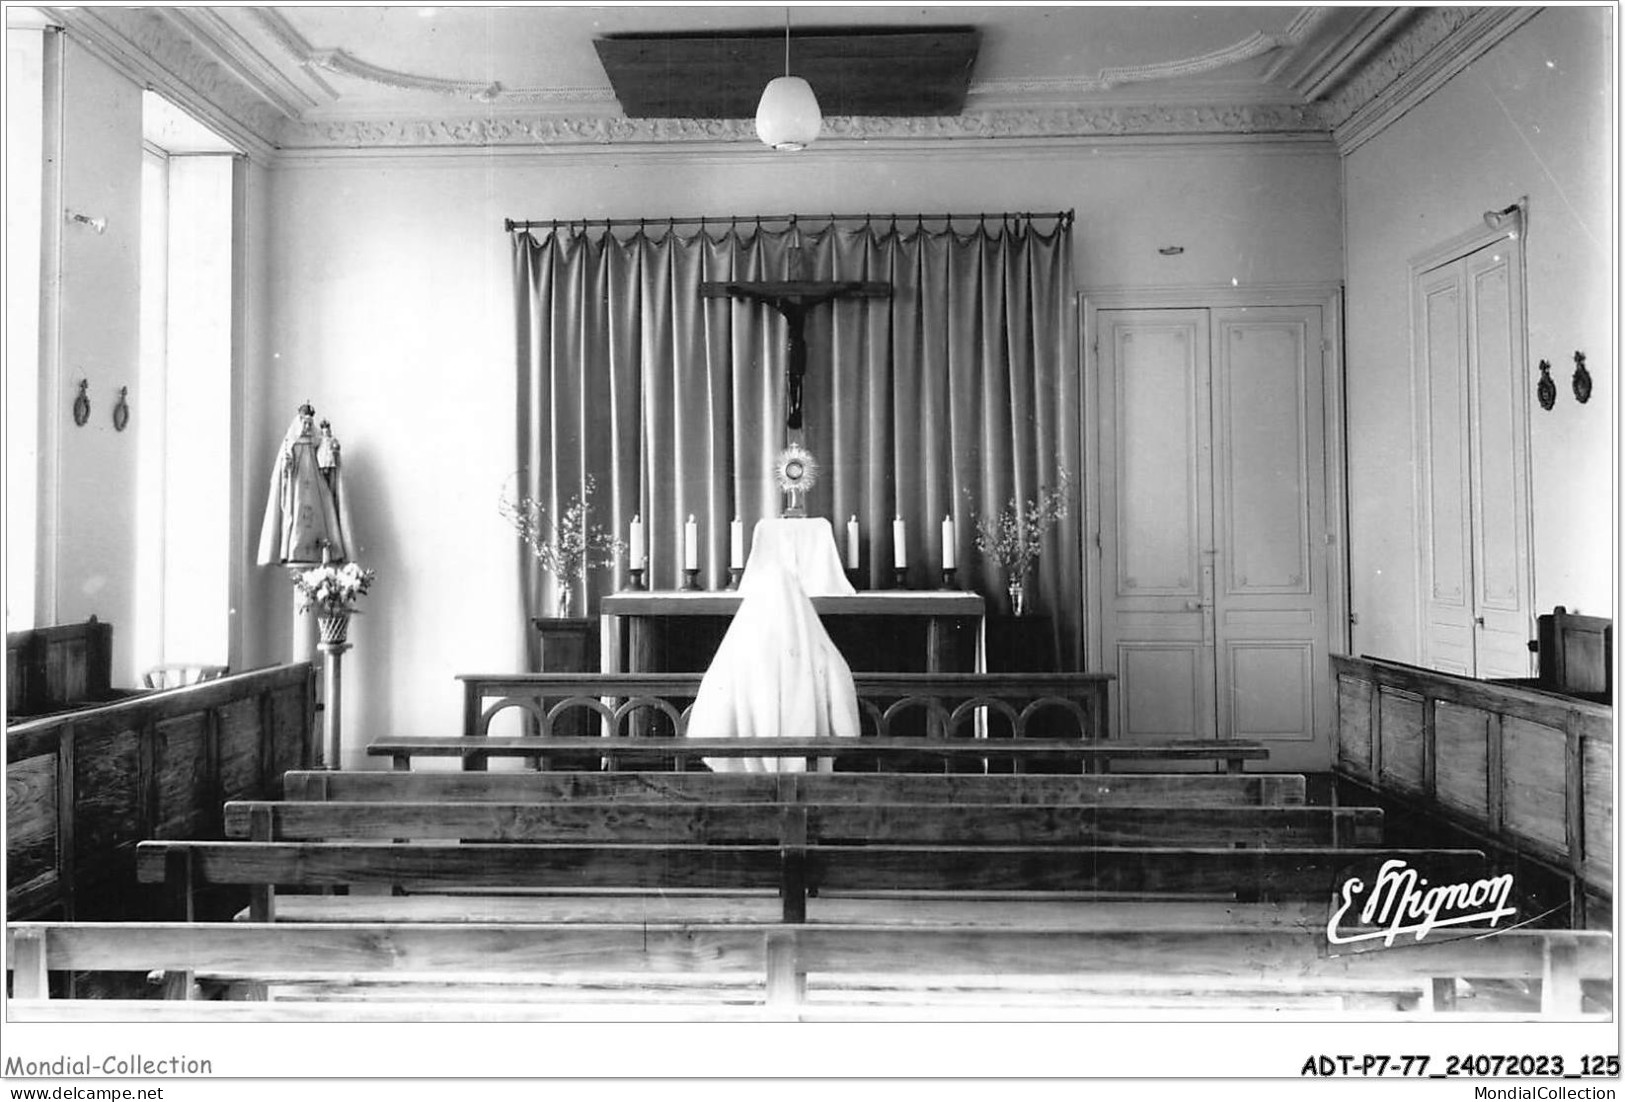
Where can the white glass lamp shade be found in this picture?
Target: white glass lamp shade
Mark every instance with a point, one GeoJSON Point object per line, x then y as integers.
{"type": "Point", "coordinates": [788, 115]}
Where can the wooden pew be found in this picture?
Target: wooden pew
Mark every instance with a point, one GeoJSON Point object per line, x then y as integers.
{"type": "Point", "coordinates": [1084, 756]}
{"type": "Point", "coordinates": [849, 823]}
{"type": "Point", "coordinates": [795, 971]}
{"type": "Point", "coordinates": [59, 668]}
{"type": "Point", "coordinates": [790, 868]}
{"type": "Point", "coordinates": [1138, 789]}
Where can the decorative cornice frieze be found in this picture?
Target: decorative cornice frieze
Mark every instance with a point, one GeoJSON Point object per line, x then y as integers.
{"type": "Point", "coordinates": [1403, 54]}
{"type": "Point", "coordinates": [1439, 44]}
{"type": "Point", "coordinates": [152, 49]}
{"type": "Point", "coordinates": [510, 130]}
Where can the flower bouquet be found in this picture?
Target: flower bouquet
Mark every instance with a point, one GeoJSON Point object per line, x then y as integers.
{"type": "Point", "coordinates": [565, 545]}
{"type": "Point", "coordinates": [331, 591]}
{"type": "Point", "coordinates": [1014, 537]}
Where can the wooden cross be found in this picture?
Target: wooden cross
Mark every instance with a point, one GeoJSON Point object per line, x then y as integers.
{"type": "Point", "coordinates": [792, 298]}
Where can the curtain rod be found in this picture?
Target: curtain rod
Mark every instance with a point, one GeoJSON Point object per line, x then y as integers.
{"type": "Point", "coordinates": [1063, 218]}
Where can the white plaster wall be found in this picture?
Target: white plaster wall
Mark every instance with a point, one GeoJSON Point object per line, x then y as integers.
{"type": "Point", "coordinates": [91, 528]}
{"type": "Point", "coordinates": [389, 306]}
{"type": "Point", "coordinates": [1533, 117]}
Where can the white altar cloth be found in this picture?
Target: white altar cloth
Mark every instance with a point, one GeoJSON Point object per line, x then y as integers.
{"type": "Point", "coordinates": [776, 671]}
{"type": "Point", "coordinates": [804, 547]}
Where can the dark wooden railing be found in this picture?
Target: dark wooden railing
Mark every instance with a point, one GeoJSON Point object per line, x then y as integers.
{"type": "Point", "coordinates": [83, 787]}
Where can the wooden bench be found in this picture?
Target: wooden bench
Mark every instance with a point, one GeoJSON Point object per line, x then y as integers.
{"type": "Point", "coordinates": [1139, 789]}
{"type": "Point", "coordinates": [796, 971]}
{"type": "Point", "coordinates": [576, 820]}
{"type": "Point", "coordinates": [59, 668]}
{"type": "Point", "coordinates": [793, 871]}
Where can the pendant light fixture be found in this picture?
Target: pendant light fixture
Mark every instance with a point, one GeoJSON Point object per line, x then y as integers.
{"type": "Point", "coordinates": [788, 117]}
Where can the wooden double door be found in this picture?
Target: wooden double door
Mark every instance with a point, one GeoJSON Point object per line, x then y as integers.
{"type": "Point", "coordinates": [1214, 585]}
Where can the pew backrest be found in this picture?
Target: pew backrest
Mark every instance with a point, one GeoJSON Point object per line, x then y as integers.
{"type": "Point", "coordinates": [1139, 789]}
{"type": "Point", "coordinates": [577, 820]}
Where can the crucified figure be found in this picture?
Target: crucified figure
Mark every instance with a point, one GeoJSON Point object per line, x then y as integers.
{"type": "Point", "coordinates": [792, 299]}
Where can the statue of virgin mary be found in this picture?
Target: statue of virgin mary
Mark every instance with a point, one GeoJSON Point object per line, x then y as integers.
{"type": "Point", "coordinates": [305, 511]}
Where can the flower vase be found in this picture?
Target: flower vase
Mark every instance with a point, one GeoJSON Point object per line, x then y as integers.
{"type": "Point", "coordinates": [562, 601]}
{"type": "Point", "coordinates": [1018, 599]}
{"type": "Point", "coordinates": [334, 626]}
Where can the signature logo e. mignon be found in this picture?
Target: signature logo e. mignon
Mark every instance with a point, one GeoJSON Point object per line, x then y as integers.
{"type": "Point", "coordinates": [1400, 901]}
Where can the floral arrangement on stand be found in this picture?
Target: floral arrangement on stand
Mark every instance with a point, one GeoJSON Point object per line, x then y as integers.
{"type": "Point", "coordinates": [331, 591]}
{"type": "Point", "coordinates": [1014, 537]}
{"type": "Point", "coordinates": [565, 545]}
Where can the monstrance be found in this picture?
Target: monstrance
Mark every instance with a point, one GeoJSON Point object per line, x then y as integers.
{"type": "Point", "coordinates": [796, 472]}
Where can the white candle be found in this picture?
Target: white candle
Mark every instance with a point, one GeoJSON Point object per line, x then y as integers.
{"type": "Point", "coordinates": [634, 543]}
{"type": "Point", "coordinates": [899, 546]}
{"type": "Point", "coordinates": [691, 544]}
{"type": "Point", "coordinates": [736, 544]}
{"type": "Point", "coordinates": [949, 538]}
{"type": "Point", "coordinates": [852, 544]}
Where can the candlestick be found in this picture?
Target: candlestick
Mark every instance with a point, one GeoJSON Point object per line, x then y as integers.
{"type": "Point", "coordinates": [949, 539]}
{"type": "Point", "coordinates": [899, 544]}
{"type": "Point", "coordinates": [736, 545]}
{"type": "Point", "coordinates": [636, 581]}
{"type": "Point", "coordinates": [852, 543]}
{"type": "Point", "coordinates": [691, 544]}
{"type": "Point", "coordinates": [635, 545]}
{"type": "Point", "coordinates": [734, 574]}
{"type": "Point", "coordinates": [948, 578]}
{"type": "Point", "coordinates": [899, 577]}
{"type": "Point", "coordinates": [691, 578]}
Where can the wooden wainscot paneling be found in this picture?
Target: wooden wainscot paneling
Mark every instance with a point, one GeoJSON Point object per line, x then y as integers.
{"type": "Point", "coordinates": [1597, 766]}
{"type": "Point", "coordinates": [1462, 740]}
{"type": "Point", "coordinates": [1533, 785]}
{"type": "Point", "coordinates": [83, 787]}
{"type": "Point", "coordinates": [31, 827]}
{"type": "Point", "coordinates": [1531, 770]}
{"type": "Point", "coordinates": [1401, 737]}
{"type": "Point", "coordinates": [1354, 728]}
{"type": "Point", "coordinates": [186, 806]}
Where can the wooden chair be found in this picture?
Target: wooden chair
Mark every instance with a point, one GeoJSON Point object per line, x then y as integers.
{"type": "Point", "coordinates": [175, 675]}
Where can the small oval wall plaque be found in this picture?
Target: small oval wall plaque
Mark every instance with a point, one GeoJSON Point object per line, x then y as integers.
{"type": "Point", "coordinates": [1546, 390]}
{"type": "Point", "coordinates": [1582, 379]}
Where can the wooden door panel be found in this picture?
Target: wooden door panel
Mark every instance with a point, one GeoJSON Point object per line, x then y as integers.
{"type": "Point", "coordinates": [1498, 432]}
{"type": "Point", "coordinates": [1272, 693]}
{"type": "Point", "coordinates": [1156, 489]}
{"type": "Point", "coordinates": [1446, 567]}
{"type": "Point", "coordinates": [1157, 438]}
{"type": "Point", "coordinates": [1270, 603]}
{"type": "Point", "coordinates": [1163, 690]}
{"type": "Point", "coordinates": [1264, 484]}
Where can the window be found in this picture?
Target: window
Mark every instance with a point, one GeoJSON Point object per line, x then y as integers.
{"type": "Point", "coordinates": [184, 527]}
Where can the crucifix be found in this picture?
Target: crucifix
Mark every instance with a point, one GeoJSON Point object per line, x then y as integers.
{"type": "Point", "coordinates": [792, 298]}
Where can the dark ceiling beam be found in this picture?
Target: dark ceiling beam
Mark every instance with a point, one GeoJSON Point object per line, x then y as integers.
{"type": "Point", "coordinates": [870, 72]}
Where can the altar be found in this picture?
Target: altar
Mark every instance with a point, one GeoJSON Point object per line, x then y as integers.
{"type": "Point", "coordinates": [893, 630]}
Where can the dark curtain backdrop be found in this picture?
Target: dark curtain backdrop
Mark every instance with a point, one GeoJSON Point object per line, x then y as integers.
{"type": "Point", "coordinates": [951, 396]}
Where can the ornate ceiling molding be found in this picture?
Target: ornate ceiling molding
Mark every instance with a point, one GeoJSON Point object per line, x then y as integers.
{"type": "Point", "coordinates": [153, 48]}
{"type": "Point", "coordinates": [534, 130]}
{"type": "Point", "coordinates": [1435, 46]}
{"type": "Point", "coordinates": [345, 64]}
